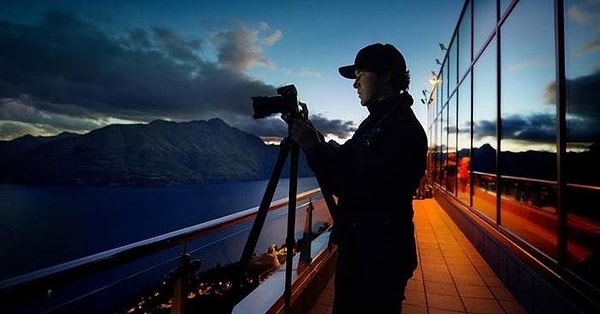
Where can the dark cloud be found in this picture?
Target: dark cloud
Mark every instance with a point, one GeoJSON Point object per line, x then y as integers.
{"type": "Point", "coordinates": [335, 127]}
{"type": "Point", "coordinates": [539, 128]}
{"type": "Point", "coordinates": [66, 67]}
{"type": "Point", "coordinates": [583, 116]}
{"type": "Point", "coordinates": [26, 110]}
{"type": "Point", "coordinates": [484, 128]}
{"type": "Point", "coordinates": [452, 129]}
{"type": "Point", "coordinates": [64, 60]}
{"type": "Point", "coordinates": [582, 95]}
{"type": "Point", "coordinates": [274, 126]}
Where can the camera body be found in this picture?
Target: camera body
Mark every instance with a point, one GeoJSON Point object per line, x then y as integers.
{"type": "Point", "coordinates": [286, 103]}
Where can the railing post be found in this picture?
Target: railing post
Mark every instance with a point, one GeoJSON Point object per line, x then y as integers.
{"type": "Point", "coordinates": [181, 284]}
{"type": "Point", "coordinates": [305, 258]}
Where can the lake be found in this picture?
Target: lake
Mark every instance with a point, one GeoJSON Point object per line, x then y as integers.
{"type": "Point", "coordinates": [44, 226]}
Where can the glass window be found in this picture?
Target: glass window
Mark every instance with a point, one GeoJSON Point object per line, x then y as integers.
{"type": "Point", "coordinates": [528, 130]}
{"type": "Point", "coordinates": [464, 42]}
{"type": "Point", "coordinates": [446, 81]}
{"type": "Point", "coordinates": [451, 162]}
{"type": "Point", "coordinates": [437, 173]}
{"type": "Point", "coordinates": [464, 140]}
{"type": "Point", "coordinates": [440, 92]}
{"type": "Point", "coordinates": [483, 160]}
{"type": "Point", "coordinates": [432, 105]}
{"type": "Point", "coordinates": [582, 164]}
{"type": "Point", "coordinates": [484, 21]}
{"type": "Point", "coordinates": [444, 142]}
{"type": "Point", "coordinates": [452, 75]}
{"type": "Point", "coordinates": [503, 6]}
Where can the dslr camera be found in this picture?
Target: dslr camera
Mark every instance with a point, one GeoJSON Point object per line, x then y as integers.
{"type": "Point", "coordinates": [286, 103]}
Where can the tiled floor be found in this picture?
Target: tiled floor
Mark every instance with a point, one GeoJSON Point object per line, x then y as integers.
{"type": "Point", "coordinates": [452, 277]}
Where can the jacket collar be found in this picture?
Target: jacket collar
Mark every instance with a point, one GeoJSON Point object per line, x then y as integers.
{"type": "Point", "coordinates": [379, 107]}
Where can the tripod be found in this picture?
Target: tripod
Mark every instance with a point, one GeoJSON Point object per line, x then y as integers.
{"type": "Point", "coordinates": [286, 147]}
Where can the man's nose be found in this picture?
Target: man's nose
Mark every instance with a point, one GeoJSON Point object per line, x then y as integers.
{"type": "Point", "coordinates": [356, 84]}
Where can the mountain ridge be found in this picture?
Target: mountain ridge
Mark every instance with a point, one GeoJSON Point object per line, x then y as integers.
{"type": "Point", "coordinates": [160, 153]}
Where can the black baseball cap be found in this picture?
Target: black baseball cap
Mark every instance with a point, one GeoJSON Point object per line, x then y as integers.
{"type": "Point", "coordinates": [377, 58]}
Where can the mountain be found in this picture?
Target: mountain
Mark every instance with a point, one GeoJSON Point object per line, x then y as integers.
{"type": "Point", "coordinates": [154, 154]}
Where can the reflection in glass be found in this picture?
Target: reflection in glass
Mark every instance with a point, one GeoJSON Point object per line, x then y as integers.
{"type": "Point", "coordinates": [451, 167]}
{"type": "Point", "coordinates": [436, 173]}
{"type": "Point", "coordinates": [581, 166]}
{"type": "Point", "coordinates": [484, 20]}
{"type": "Point", "coordinates": [445, 83]}
{"type": "Point", "coordinates": [483, 161]}
{"type": "Point", "coordinates": [503, 6]}
{"type": "Point", "coordinates": [440, 92]}
{"type": "Point", "coordinates": [528, 129]}
{"type": "Point", "coordinates": [464, 42]}
{"type": "Point", "coordinates": [452, 75]}
{"type": "Point", "coordinates": [464, 140]}
{"type": "Point", "coordinates": [444, 143]}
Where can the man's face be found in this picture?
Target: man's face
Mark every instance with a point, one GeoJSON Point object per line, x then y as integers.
{"type": "Point", "coordinates": [367, 85]}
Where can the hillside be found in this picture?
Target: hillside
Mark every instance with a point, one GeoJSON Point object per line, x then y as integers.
{"type": "Point", "coordinates": [158, 153]}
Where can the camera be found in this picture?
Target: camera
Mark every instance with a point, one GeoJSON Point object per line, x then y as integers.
{"type": "Point", "coordinates": [286, 103]}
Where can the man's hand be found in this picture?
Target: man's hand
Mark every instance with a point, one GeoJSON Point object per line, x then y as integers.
{"type": "Point", "coordinates": [303, 133]}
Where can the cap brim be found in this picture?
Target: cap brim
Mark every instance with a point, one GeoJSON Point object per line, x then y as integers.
{"type": "Point", "coordinates": [348, 71]}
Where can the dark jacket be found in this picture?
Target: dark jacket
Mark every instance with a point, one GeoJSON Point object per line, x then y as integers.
{"type": "Point", "coordinates": [374, 176]}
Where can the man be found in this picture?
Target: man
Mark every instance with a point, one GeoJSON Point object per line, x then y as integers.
{"type": "Point", "coordinates": [374, 176]}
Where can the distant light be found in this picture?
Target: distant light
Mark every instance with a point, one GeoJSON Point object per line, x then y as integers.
{"type": "Point", "coordinates": [271, 140]}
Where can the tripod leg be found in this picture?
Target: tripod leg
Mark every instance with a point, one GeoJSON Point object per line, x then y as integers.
{"type": "Point", "coordinates": [250, 246]}
{"type": "Point", "coordinates": [291, 226]}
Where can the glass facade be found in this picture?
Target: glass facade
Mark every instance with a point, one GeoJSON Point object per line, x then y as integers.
{"type": "Point", "coordinates": [528, 125]}
{"type": "Point", "coordinates": [464, 141]}
{"type": "Point", "coordinates": [582, 144]}
{"type": "Point", "coordinates": [517, 116]}
{"type": "Point", "coordinates": [485, 140]}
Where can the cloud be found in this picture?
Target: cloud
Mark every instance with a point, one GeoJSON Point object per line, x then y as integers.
{"type": "Point", "coordinates": [582, 15]}
{"type": "Point", "coordinates": [302, 73]}
{"type": "Point", "coordinates": [176, 47]}
{"type": "Point", "coordinates": [533, 129]}
{"type": "Point", "coordinates": [535, 62]}
{"type": "Point", "coordinates": [583, 116]}
{"type": "Point", "coordinates": [337, 127]}
{"type": "Point", "coordinates": [484, 128]}
{"type": "Point", "coordinates": [26, 111]}
{"type": "Point", "coordinates": [240, 49]}
{"type": "Point", "coordinates": [591, 46]}
{"type": "Point", "coordinates": [65, 73]}
{"type": "Point", "coordinates": [587, 14]}
{"type": "Point", "coordinates": [275, 127]}
{"type": "Point", "coordinates": [583, 94]}
{"type": "Point", "coordinates": [538, 128]}
{"type": "Point", "coordinates": [10, 130]}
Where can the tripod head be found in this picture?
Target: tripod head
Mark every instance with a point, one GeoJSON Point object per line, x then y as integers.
{"type": "Point", "coordinates": [286, 103]}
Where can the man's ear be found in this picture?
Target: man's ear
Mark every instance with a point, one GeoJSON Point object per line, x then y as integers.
{"type": "Point", "coordinates": [386, 77]}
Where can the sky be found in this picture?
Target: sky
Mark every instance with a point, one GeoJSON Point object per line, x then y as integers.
{"type": "Point", "coordinates": [77, 66]}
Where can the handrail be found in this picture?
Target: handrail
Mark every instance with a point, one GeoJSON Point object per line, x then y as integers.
{"type": "Point", "coordinates": [89, 265]}
{"type": "Point", "coordinates": [525, 179]}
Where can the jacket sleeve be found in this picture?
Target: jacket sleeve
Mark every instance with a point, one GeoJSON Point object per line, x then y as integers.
{"type": "Point", "coordinates": [382, 164]}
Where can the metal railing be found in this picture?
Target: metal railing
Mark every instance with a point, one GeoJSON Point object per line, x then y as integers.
{"type": "Point", "coordinates": [43, 288]}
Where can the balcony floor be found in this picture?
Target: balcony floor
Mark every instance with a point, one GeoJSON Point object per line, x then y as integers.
{"type": "Point", "coordinates": [452, 277]}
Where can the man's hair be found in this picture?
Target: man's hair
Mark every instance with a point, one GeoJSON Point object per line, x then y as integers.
{"type": "Point", "coordinates": [400, 81]}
